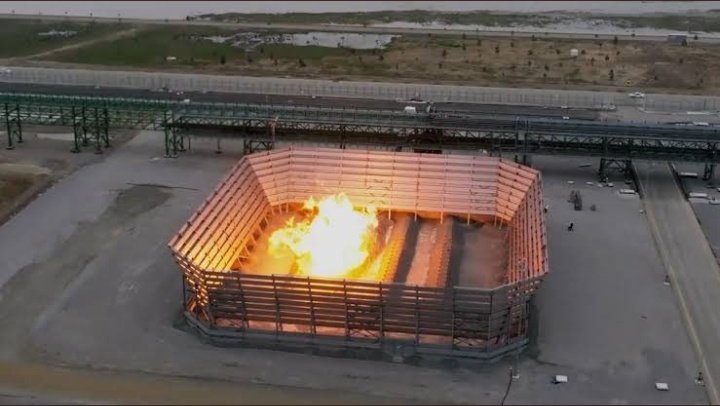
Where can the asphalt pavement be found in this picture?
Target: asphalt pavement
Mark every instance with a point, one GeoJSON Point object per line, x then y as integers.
{"type": "Point", "coordinates": [275, 99]}
{"type": "Point", "coordinates": [98, 76]}
{"type": "Point", "coordinates": [690, 263]}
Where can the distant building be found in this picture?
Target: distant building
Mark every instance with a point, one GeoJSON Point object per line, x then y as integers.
{"type": "Point", "coordinates": [574, 52]}
{"type": "Point", "coordinates": [677, 39]}
{"type": "Point", "coordinates": [56, 34]}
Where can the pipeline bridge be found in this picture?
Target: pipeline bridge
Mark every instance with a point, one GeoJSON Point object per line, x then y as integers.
{"type": "Point", "coordinates": [260, 126]}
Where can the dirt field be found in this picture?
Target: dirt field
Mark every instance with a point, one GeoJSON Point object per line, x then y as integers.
{"type": "Point", "coordinates": [522, 62]}
{"type": "Point", "coordinates": [37, 163]}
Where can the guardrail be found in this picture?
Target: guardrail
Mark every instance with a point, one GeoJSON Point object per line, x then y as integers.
{"type": "Point", "coordinates": [371, 90]}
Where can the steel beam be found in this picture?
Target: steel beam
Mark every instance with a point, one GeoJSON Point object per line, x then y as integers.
{"type": "Point", "coordinates": [13, 125]}
{"type": "Point", "coordinates": [498, 135]}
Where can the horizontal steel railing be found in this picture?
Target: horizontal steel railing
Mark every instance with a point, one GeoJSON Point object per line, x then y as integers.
{"type": "Point", "coordinates": [327, 88]}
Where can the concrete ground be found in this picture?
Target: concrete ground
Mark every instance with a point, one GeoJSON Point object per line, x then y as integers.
{"type": "Point", "coordinates": [605, 317]}
{"type": "Point", "coordinates": [479, 255]}
{"type": "Point", "coordinates": [38, 162]}
{"type": "Point", "coordinates": [692, 267]}
{"type": "Point", "coordinates": [88, 283]}
{"type": "Point", "coordinates": [708, 215]}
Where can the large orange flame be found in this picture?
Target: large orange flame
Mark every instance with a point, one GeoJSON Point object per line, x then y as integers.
{"type": "Point", "coordinates": [333, 241]}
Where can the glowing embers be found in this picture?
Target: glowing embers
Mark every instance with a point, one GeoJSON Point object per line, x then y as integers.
{"type": "Point", "coordinates": [335, 239]}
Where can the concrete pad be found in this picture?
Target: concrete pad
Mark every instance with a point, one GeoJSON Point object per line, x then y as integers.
{"type": "Point", "coordinates": [106, 294]}
{"type": "Point", "coordinates": [691, 265]}
{"type": "Point", "coordinates": [605, 318]}
{"type": "Point", "coordinates": [57, 136]}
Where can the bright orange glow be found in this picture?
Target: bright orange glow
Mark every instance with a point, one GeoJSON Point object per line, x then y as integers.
{"type": "Point", "coordinates": [333, 241]}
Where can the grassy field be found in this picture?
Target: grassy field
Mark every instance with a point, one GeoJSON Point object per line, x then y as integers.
{"type": "Point", "coordinates": [709, 21]}
{"type": "Point", "coordinates": [150, 46]}
{"type": "Point", "coordinates": [427, 58]}
{"type": "Point", "coordinates": [20, 37]}
{"type": "Point", "coordinates": [415, 16]}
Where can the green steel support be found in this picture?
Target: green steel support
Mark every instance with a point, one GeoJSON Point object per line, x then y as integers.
{"type": "Point", "coordinates": [97, 131]}
{"type": "Point", "coordinates": [106, 128]}
{"type": "Point", "coordinates": [77, 130]}
{"type": "Point", "coordinates": [606, 165]}
{"type": "Point", "coordinates": [174, 142]}
{"type": "Point", "coordinates": [96, 115]}
{"type": "Point", "coordinates": [13, 126]}
{"type": "Point", "coordinates": [85, 140]}
{"type": "Point", "coordinates": [709, 172]}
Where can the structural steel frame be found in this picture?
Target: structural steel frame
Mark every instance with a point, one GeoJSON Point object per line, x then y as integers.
{"type": "Point", "coordinates": [392, 128]}
{"type": "Point", "coordinates": [230, 305]}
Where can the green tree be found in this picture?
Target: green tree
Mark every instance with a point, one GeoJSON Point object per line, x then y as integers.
{"type": "Point", "coordinates": [222, 59]}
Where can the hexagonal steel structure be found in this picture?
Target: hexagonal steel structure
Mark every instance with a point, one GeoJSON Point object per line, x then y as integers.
{"type": "Point", "coordinates": [232, 306]}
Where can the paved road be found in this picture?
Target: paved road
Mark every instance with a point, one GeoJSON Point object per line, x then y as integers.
{"type": "Point", "coordinates": [690, 263]}
{"type": "Point", "coordinates": [136, 79]}
{"type": "Point", "coordinates": [704, 37]}
{"type": "Point", "coordinates": [450, 108]}
{"type": "Point", "coordinates": [26, 383]}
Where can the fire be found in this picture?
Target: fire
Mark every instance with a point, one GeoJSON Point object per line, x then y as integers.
{"type": "Point", "coordinates": [334, 240]}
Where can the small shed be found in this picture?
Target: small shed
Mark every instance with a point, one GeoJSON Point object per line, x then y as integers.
{"type": "Point", "coordinates": [574, 52]}
{"type": "Point", "coordinates": [677, 39]}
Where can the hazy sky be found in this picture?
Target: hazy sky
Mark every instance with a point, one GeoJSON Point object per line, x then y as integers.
{"type": "Point", "coordinates": [180, 9]}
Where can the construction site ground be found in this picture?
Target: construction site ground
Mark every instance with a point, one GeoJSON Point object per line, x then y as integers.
{"type": "Point", "coordinates": [91, 301]}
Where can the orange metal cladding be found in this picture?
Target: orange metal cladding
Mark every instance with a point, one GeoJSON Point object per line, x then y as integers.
{"type": "Point", "coordinates": [466, 186]}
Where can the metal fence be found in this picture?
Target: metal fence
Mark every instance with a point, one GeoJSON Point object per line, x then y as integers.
{"type": "Point", "coordinates": [372, 90]}
{"type": "Point", "coordinates": [471, 322]}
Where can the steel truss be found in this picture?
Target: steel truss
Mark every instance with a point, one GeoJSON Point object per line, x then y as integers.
{"type": "Point", "coordinates": [90, 121]}
{"type": "Point", "coordinates": [261, 126]}
{"type": "Point", "coordinates": [13, 125]}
